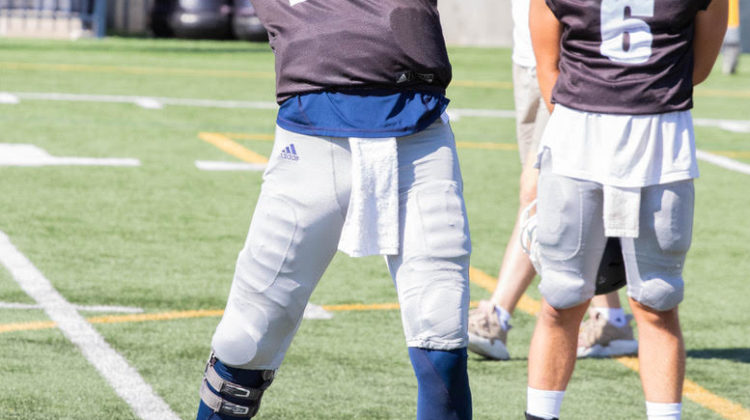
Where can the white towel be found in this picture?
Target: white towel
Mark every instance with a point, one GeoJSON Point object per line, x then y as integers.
{"type": "Point", "coordinates": [622, 208]}
{"type": "Point", "coordinates": [371, 225]}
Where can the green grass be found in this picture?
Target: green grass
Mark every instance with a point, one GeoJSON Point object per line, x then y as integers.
{"type": "Point", "coordinates": [164, 237]}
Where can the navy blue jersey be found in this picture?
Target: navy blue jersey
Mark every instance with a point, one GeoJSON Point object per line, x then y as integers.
{"type": "Point", "coordinates": [342, 44]}
{"type": "Point", "coordinates": [626, 56]}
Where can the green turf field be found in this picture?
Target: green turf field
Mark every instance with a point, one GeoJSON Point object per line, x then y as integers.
{"type": "Point", "coordinates": [163, 237]}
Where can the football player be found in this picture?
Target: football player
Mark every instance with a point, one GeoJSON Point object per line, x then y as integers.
{"type": "Point", "coordinates": [364, 160]}
{"type": "Point", "coordinates": [617, 159]}
{"type": "Point", "coordinates": [607, 332]}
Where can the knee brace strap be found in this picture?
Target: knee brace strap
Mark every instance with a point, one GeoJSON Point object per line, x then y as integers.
{"type": "Point", "coordinates": [222, 406]}
{"type": "Point", "coordinates": [247, 395]}
{"type": "Point", "coordinates": [232, 389]}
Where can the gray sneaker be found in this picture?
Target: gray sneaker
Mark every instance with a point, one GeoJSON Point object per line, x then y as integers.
{"type": "Point", "coordinates": [486, 337]}
{"type": "Point", "coordinates": [599, 338]}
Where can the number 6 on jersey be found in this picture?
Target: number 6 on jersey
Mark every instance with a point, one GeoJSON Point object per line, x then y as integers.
{"type": "Point", "coordinates": [625, 38]}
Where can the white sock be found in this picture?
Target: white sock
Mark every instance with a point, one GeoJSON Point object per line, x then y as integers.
{"type": "Point", "coordinates": [544, 404]}
{"type": "Point", "coordinates": [615, 316]}
{"type": "Point", "coordinates": [503, 317]}
{"type": "Point", "coordinates": [663, 411]}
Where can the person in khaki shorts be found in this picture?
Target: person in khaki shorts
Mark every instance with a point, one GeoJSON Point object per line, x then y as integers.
{"type": "Point", "coordinates": [607, 332]}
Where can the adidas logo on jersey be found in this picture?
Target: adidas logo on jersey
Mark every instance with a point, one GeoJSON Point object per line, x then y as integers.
{"type": "Point", "coordinates": [289, 153]}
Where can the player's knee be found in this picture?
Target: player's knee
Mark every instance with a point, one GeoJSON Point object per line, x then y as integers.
{"type": "Point", "coordinates": [564, 290]}
{"type": "Point", "coordinates": [435, 312]}
{"type": "Point", "coordinates": [660, 293]}
{"type": "Point", "coordinates": [254, 332]}
{"type": "Point", "coordinates": [233, 343]}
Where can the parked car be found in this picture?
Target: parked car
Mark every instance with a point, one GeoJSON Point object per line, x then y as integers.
{"type": "Point", "coordinates": [158, 18]}
{"type": "Point", "coordinates": [206, 19]}
{"type": "Point", "coordinates": [245, 22]}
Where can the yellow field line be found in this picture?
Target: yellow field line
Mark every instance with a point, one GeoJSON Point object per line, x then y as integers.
{"type": "Point", "coordinates": [361, 307]}
{"type": "Point", "coordinates": [487, 282]}
{"type": "Point", "coordinates": [161, 316]}
{"type": "Point", "coordinates": [721, 93]}
{"type": "Point", "coordinates": [167, 316]}
{"type": "Point", "coordinates": [228, 145]}
{"type": "Point", "coordinates": [250, 136]}
{"type": "Point", "coordinates": [486, 146]}
{"type": "Point", "coordinates": [700, 395]}
{"type": "Point", "coordinates": [26, 326]}
{"type": "Point", "coordinates": [732, 154]}
{"type": "Point", "coordinates": [172, 315]}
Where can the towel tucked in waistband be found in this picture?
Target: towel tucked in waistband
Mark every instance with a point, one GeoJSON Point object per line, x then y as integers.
{"type": "Point", "coordinates": [371, 225]}
{"type": "Point", "coordinates": [622, 208]}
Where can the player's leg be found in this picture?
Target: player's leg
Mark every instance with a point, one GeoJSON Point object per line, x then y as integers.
{"type": "Point", "coordinates": [431, 272]}
{"type": "Point", "coordinates": [489, 324]}
{"type": "Point", "coordinates": [654, 264]}
{"type": "Point", "coordinates": [571, 242]}
{"type": "Point", "coordinates": [293, 235]}
{"type": "Point", "coordinates": [516, 271]}
{"type": "Point", "coordinates": [552, 357]}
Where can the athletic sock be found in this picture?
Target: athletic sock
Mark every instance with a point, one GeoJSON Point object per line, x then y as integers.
{"type": "Point", "coordinates": [503, 317]}
{"type": "Point", "coordinates": [663, 411]}
{"type": "Point", "coordinates": [245, 377]}
{"type": "Point", "coordinates": [543, 404]}
{"type": "Point", "coordinates": [615, 316]}
{"type": "Point", "coordinates": [443, 384]}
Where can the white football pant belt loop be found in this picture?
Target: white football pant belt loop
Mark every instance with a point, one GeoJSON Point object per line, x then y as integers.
{"type": "Point", "coordinates": [372, 220]}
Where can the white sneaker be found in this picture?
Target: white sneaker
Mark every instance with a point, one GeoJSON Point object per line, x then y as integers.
{"type": "Point", "coordinates": [599, 338]}
{"type": "Point", "coordinates": [486, 337]}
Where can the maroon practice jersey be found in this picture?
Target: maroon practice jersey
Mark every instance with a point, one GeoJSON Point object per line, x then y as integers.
{"type": "Point", "coordinates": [626, 56]}
{"type": "Point", "coordinates": [339, 44]}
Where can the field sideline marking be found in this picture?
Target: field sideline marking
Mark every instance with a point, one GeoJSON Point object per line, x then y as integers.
{"type": "Point", "coordinates": [123, 378]}
{"type": "Point", "coordinates": [691, 390]}
{"type": "Point", "coordinates": [738, 126]}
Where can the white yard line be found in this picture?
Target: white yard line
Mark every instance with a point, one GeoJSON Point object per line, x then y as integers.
{"type": "Point", "coordinates": [739, 126]}
{"type": "Point", "coordinates": [125, 380]}
{"type": "Point", "coordinates": [85, 308]}
{"type": "Point", "coordinates": [209, 165]}
{"type": "Point", "coordinates": [20, 154]}
{"type": "Point", "coordinates": [724, 162]}
{"type": "Point", "coordinates": [148, 101]}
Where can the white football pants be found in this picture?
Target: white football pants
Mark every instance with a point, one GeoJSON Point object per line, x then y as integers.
{"type": "Point", "coordinates": [295, 231]}
{"type": "Point", "coordinates": [571, 239]}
